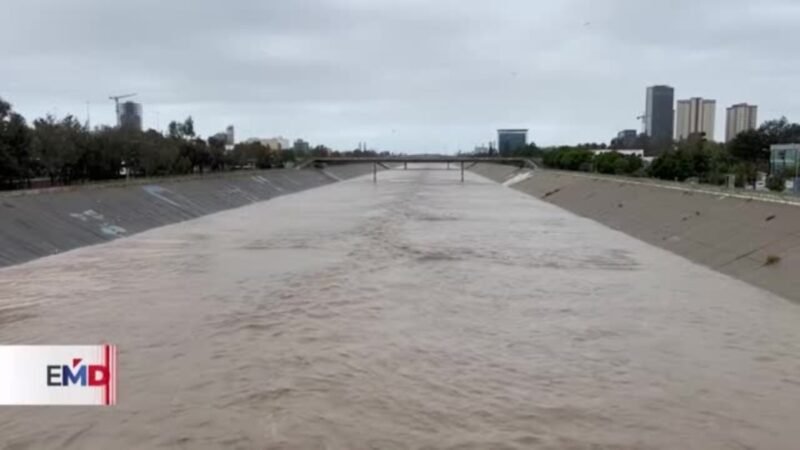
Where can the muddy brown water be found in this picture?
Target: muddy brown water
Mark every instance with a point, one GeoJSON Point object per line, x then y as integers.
{"type": "Point", "coordinates": [417, 313]}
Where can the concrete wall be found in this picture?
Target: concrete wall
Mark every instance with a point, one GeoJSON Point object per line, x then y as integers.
{"type": "Point", "coordinates": [733, 233]}
{"type": "Point", "coordinates": [44, 222]}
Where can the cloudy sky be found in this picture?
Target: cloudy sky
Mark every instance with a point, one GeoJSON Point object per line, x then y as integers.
{"type": "Point", "coordinates": [402, 75]}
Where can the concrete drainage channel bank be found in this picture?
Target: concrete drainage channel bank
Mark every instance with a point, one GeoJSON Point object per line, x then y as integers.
{"type": "Point", "coordinates": [45, 222]}
{"type": "Point", "coordinates": [755, 239]}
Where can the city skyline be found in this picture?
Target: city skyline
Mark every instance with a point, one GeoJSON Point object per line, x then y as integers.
{"type": "Point", "coordinates": [689, 116]}
{"type": "Point", "coordinates": [345, 71]}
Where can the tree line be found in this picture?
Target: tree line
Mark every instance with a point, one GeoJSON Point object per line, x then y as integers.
{"type": "Point", "coordinates": [63, 151]}
{"type": "Point", "coordinates": [611, 162]}
{"type": "Point", "coordinates": [695, 157]}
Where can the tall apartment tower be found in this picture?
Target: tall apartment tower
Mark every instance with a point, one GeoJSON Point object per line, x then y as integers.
{"type": "Point", "coordinates": [660, 115]}
{"type": "Point", "coordinates": [695, 115]}
{"type": "Point", "coordinates": [741, 117]}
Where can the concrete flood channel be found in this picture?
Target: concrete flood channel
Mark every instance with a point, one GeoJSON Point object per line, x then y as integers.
{"type": "Point", "coordinates": [40, 223]}
{"type": "Point", "coordinates": [417, 312]}
{"type": "Point", "coordinates": [755, 238]}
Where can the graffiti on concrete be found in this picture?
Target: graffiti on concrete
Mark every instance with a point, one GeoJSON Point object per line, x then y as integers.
{"type": "Point", "coordinates": [105, 227]}
{"type": "Point", "coordinates": [234, 190]}
{"type": "Point", "coordinates": [261, 180]}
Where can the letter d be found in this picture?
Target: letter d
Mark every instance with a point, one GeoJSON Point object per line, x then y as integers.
{"type": "Point", "coordinates": [98, 375]}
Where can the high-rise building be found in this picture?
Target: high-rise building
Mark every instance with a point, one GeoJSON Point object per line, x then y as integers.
{"type": "Point", "coordinates": [130, 116]}
{"type": "Point", "coordinates": [301, 146]}
{"type": "Point", "coordinates": [229, 136]}
{"type": "Point", "coordinates": [510, 140]}
{"type": "Point", "coordinates": [695, 115]}
{"type": "Point", "coordinates": [626, 139]}
{"type": "Point", "coordinates": [741, 117]}
{"type": "Point", "coordinates": [659, 113]}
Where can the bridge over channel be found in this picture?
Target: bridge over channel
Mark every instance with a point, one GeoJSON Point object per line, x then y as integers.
{"type": "Point", "coordinates": [391, 162]}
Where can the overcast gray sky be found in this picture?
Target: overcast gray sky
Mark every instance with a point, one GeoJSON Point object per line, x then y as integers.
{"type": "Point", "coordinates": [403, 75]}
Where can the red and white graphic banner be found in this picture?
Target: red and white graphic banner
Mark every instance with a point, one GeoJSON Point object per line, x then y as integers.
{"type": "Point", "coordinates": [58, 375]}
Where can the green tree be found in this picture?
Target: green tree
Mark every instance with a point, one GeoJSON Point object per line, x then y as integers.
{"type": "Point", "coordinates": [252, 154]}
{"type": "Point", "coordinates": [607, 162]}
{"type": "Point", "coordinates": [188, 127]}
{"type": "Point", "coordinates": [529, 151]}
{"type": "Point", "coordinates": [288, 156]}
{"type": "Point", "coordinates": [193, 152]}
{"type": "Point", "coordinates": [156, 155]}
{"type": "Point", "coordinates": [776, 182]}
{"type": "Point", "coordinates": [567, 158]}
{"type": "Point", "coordinates": [696, 157]}
{"type": "Point", "coordinates": [105, 152]}
{"type": "Point", "coordinates": [67, 152]}
{"type": "Point", "coordinates": [60, 147]}
{"type": "Point", "coordinates": [15, 138]}
{"type": "Point", "coordinates": [780, 131]}
{"type": "Point", "coordinates": [182, 131]}
{"type": "Point", "coordinates": [216, 150]}
{"type": "Point", "coordinates": [617, 163]}
{"type": "Point", "coordinates": [751, 146]}
{"type": "Point", "coordinates": [202, 156]}
{"type": "Point", "coordinates": [672, 165]}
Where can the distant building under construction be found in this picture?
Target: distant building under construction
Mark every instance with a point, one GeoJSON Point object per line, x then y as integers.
{"type": "Point", "coordinates": [130, 116]}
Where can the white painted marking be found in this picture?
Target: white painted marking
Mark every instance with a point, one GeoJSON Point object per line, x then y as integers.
{"type": "Point", "coordinates": [156, 191]}
{"type": "Point", "coordinates": [270, 183]}
{"type": "Point", "coordinates": [518, 178]}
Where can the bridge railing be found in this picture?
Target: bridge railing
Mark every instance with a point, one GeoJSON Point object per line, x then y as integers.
{"type": "Point", "coordinates": [405, 160]}
{"type": "Point", "coordinates": [522, 162]}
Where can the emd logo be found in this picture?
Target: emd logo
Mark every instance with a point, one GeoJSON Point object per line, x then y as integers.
{"type": "Point", "coordinates": [58, 375]}
{"type": "Point", "coordinates": [88, 373]}
{"type": "Point", "coordinates": [78, 374]}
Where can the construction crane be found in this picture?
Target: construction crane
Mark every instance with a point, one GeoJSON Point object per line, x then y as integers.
{"type": "Point", "coordinates": [116, 99]}
{"type": "Point", "coordinates": [643, 118]}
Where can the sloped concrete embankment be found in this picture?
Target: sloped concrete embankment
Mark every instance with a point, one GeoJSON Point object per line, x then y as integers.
{"type": "Point", "coordinates": [754, 239]}
{"type": "Point", "coordinates": [45, 222]}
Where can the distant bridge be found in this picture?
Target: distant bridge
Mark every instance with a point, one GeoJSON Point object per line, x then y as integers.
{"type": "Point", "coordinates": [405, 160]}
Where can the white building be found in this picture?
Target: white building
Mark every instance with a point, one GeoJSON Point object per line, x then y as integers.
{"type": "Point", "coordinates": [741, 117]}
{"type": "Point", "coordinates": [695, 115]}
{"type": "Point", "coordinates": [600, 151]}
{"type": "Point", "coordinates": [276, 143]}
{"type": "Point", "coordinates": [282, 143]}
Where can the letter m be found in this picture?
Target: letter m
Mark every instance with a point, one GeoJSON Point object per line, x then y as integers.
{"type": "Point", "coordinates": [78, 377]}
